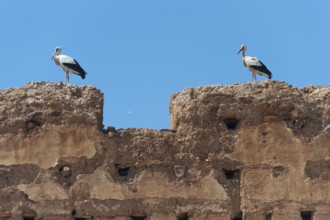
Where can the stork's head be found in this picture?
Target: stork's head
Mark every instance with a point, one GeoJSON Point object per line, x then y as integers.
{"type": "Point", "coordinates": [56, 52]}
{"type": "Point", "coordinates": [243, 48]}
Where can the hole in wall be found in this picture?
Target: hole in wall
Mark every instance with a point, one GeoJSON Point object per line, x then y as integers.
{"type": "Point", "coordinates": [31, 124]}
{"type": "Point", "coordinates": [278, 171]}
{"type": "Point", "coordinates": [74, 212]}
{"type": "Point", "coordinates": [138, 217]}
{"type": "Point", "coordinates": [269, 216]}
{"type": "Point", "coordinates": [231, 123]}
{"type": "Point", "coordinates": [299, 123]}
{"type": "Point", "coordinates": [183, 216]}
{"type": "Point", "coordinates": [65, 171]}
{"type": "Point", "coordinates": [179, 170]}
{"type": "Point", "coordinates": [239, 216]}
{"type": "Point", "coordinates": [232, 174]}
{"type": "Point", "coordinates": [123, 171]}
{"type": "Point", "coordinates": [28, 214]}
{"type": "Point", "coordinates": [26, 196]}
{"type": "Point", "coordinates": [306, 215]}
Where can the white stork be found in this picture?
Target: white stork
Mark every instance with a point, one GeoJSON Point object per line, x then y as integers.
{"type": "Point", "coordinates": [254, 65]}
{"type": "Point", "coordinates": [68, 64]}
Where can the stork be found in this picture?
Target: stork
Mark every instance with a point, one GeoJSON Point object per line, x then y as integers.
{"type": "Point", "coordinates": [254, 65]}
{"type": "Point", "coordinates": [68, 64]}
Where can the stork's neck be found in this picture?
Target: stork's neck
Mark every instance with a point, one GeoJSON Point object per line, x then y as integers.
{"type": "Point", "coordinates": [243, 53]}
{"type": "Point", "coordinates": [56, 59]}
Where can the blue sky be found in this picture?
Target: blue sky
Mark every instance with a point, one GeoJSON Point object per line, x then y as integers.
{"type": "Point", "coordinates": [139, 52]}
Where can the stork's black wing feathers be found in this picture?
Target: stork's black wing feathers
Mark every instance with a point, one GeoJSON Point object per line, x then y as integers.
{"type": "Point", "coordinates": [263, 70]}
{"type": "Point", "coordinates": [77, 68]}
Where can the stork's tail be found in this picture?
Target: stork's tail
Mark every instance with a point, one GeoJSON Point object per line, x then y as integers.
{"type": "Point", "coordinates": [270, 75]}
{"type": "Point", "coordinates": [83, 74]}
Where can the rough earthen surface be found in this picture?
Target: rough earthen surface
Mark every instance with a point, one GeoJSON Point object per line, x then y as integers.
{"type": "Point", "coordinates": [246, 151]}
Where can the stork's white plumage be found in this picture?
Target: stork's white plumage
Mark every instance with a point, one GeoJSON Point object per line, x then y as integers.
{"type": "Point", "coordinates": [254, 65]}
{"type": "Point", "coordinates": [68, 64]}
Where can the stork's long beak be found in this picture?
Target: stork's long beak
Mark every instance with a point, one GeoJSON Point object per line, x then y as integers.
{"type": "Point", "coordinates": [240, 50]}
{"type": "Point", "coordinates": [53, 55]}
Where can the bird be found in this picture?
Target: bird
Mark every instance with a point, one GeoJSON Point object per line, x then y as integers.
{"type": "Point", "coordinates": [68, 64]}
{"type": "Point", "coordinates": [254, 65]}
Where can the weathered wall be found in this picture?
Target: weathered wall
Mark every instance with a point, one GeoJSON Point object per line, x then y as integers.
{"type": "Point", "coordinates": [247, 151]}
{"type": "Point", "coordinates": [278, 134]}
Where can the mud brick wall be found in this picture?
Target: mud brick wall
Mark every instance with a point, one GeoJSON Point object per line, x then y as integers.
{"type": "Point", "coordinates": [245, 151]}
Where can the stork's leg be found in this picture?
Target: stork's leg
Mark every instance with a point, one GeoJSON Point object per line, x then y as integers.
{"type": "Point", "coordinates": [67, 76]}
{"type": "Point", "coordinates": [254, 78]}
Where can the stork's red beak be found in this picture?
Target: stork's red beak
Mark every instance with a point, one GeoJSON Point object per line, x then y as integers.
{"type": "Point", "coordinates": [53, 55]}
{"type": "Point", "coordinates": [240, 50]}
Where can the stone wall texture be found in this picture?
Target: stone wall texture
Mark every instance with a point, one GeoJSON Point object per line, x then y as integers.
{"type": "Point", "coordinates": [252, 151]}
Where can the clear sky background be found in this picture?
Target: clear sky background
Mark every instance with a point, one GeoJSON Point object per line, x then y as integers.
{"type": "Point", "coordinates": [139, 52]}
